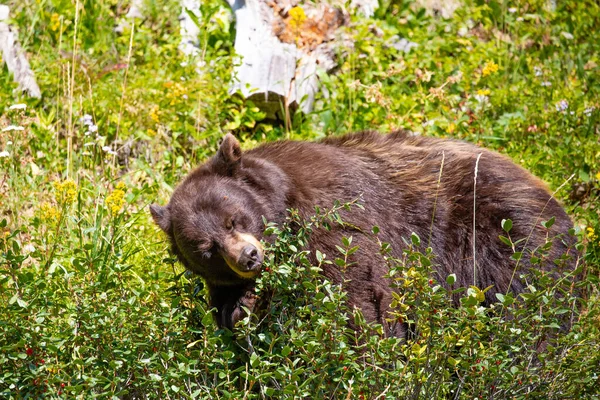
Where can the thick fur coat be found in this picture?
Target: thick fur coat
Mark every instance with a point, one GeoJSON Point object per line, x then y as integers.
{"type": "Point", "coordinates": [405, 183]}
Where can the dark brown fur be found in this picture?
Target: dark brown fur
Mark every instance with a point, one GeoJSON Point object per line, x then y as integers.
{"type": "Point", "coordinates": [395, 177]}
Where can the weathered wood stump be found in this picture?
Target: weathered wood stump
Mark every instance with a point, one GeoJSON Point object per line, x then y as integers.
{"type": "Point", "coordinates": [282, 48]}
{"type": "Point", "coordinates": [15, 58]}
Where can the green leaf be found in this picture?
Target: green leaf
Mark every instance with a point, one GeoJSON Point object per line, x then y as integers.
{"type": "Point", "coordinates": [505, 240]}
{"type": "Point", "coordinates": [453, 362]}
{"type": "Point", "coordinates": [347, 241]}
{"type": "Point", "coordinates": [507, 225]}
{"type": "Point", "coordinates": [548, 224]}
{"type": "Point", "coordinates": [319, 256]}
{"type": "Point", "coordinates": [450, 279]}
{"type": "Point", "coordinates": [207, 320]}
{"type": "Point", "coordinates": [155, 377]}
{"type": "Point", "coordinates": [416, 240]}
{"type": "Point", "coordinates": [194, 343]}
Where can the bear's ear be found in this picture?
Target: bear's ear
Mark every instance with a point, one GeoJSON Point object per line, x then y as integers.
{"type": "Point", "coordinates": [161, 216]}
{"type": "Point", "coordinates": [229, 156]}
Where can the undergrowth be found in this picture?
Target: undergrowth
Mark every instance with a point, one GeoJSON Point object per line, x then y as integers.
{"type": "Point", "coordinates": [94, 305]}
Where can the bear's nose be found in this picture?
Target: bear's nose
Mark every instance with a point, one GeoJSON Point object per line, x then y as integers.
{"type": "Point", "coordinates": [250, 258]}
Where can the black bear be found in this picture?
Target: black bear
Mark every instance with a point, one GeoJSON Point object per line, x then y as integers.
{"type": "Point", "coordinates": [405, 183]}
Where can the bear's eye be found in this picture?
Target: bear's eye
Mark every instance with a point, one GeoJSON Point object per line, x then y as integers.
{"type": "Point", "coordinates": [230, 224]}
{"type": "Point", "coordinates": [204, 247]}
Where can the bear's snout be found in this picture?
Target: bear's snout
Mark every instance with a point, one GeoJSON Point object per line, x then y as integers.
{"type": "Point", "coordinates": [244, 254]}
{"type": "Point", "coordinates": [250, 258]}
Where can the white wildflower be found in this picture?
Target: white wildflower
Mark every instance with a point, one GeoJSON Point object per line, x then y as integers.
{"type": "Point", "coordinates": [481, 98]}
{"type": "Point", "coordinates": [8, 143]}
{"type": "Point", "coordinates": [108, 150]}
{"type": "Point", "coordinates": [520, 19]}
{"type": "Point", "coordinates": [588, 111]}
{"type": "Point", "coordinates": [87, 120]}
{"type": "Point", "coordinates": [93, 128]}
{"type": "Point", "coordinates": [512, 10]}
{"type": "Point", "coordinates": [537, 71]}
{"type": "Point", "coordinates": [28, 248]}
{"type": "Point", "coordinates": [562, 105]}
{"type": "Point", "coordinates": [13, 128]}
{"type": "Point", "coordinates": [567, 35]}
{"type": "Point", "coordinates": [546, 84]}
{"type": "Point", "coordinates": [4, 154]}
{"type": "Point", "coordinates": [18, 107]}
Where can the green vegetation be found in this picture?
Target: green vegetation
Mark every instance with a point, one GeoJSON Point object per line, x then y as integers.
{"type": "Point", "coordinates": [93, 304]}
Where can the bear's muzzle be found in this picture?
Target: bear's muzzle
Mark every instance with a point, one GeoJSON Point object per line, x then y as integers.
{"type": "Point", "coordinates": [244, 254]}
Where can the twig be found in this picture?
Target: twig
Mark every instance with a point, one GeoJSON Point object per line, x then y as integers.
{"type": "Point", "coordinates": [474, 229]}
{"type": "Point", "coordinates": [437, 191]}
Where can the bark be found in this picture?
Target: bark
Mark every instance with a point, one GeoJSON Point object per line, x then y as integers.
{"type": "Point", "coordinates": [282, 56]}
{"type": "Point", "coordinates": [15, 58]}
{"type": "Point", "coordinates": [188, 28]}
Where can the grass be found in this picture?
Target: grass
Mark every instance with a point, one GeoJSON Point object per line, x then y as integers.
{"type": "Point", "coordinates": [93, 304]}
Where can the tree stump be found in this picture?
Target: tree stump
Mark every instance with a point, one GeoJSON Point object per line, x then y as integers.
{"type": "Point", "coordinates": [15, 58]}
{"type": "Point", "coordinates": [282, 48]}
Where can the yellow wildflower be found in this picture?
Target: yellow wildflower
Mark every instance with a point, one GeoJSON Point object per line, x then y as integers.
{"type": "Point", "coordinates": [591, 233]}
{"type": "Point", "coordinates": [49, 213]}
{"type": "Point", "coordinates": [176, 92]}
{"type": "Point", "coordinates": [489, 68]}
{"type": "Point", "coordinates": [297, 18]}
{"type": "Point", "coordinates": [451, 128]}
{"type": "Point", "coordinates": [116, 199]}
{"type": "Point", "coordinates": [484, 92]}
{"type": "Point", "coordinates": [598, 176]}
{"type": "Point", "coordinates": [54, 22]}
{"type": "Point", "coordinates": [154, 114]}
{"type": "Point", "coordinates": [65, 191]}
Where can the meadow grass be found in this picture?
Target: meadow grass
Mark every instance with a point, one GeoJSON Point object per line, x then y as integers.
{"type": "Point", "coordinates": [93, 303]}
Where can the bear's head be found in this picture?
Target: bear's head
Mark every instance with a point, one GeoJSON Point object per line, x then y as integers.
{"type": "Point", "coordinates": [214, 219]}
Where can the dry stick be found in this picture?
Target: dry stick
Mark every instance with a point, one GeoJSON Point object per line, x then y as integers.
{"type": "Point", "coordinates": [474, 198]}
{"type": "Point", "coordinates": [533, 228]}
{"type": "Point", "coordinates": [58, 84]}
{"type": "Point", "coordinates": [437, 191]}
{"type": "Point", "coordinates": [125, 81]}
{"type": "Point", "coordinates": [72, 84]}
